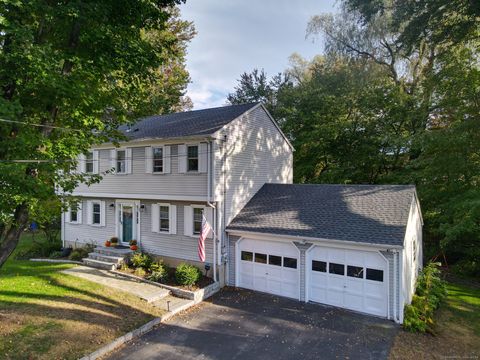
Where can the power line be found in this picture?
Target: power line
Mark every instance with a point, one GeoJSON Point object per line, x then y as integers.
{"type": "Point", "coordinates": [39, 125]}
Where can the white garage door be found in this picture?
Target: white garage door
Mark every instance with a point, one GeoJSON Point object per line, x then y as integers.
{"type": "Point", "coordinates": [268, 266]}
{"type": "Point", "coordinates": [350, 279]}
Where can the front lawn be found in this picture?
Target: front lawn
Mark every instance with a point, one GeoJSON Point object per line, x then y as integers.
{"type": "Point", "coordinates": [45, 314]}
{"type": "Point", "coordinates": [457, 329]}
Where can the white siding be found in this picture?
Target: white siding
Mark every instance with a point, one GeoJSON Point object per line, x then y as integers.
{"type": "Point", "coordinates": [256, 153]}
{"type": "Point", "coordinates": [140, 182]}
{"type": "Point", "coordinates": [411, 263]}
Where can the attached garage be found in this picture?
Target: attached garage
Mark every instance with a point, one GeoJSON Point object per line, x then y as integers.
{"type": "Point", "coordinates": [268, 266]}
{"type": "Point", "coordinates": [351, 279]}
{"type": "Point", "coordinates": [356, 247]}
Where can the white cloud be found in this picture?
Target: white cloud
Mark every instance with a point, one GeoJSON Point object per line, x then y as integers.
{"type": "Point", "coordinates": [239, 35]}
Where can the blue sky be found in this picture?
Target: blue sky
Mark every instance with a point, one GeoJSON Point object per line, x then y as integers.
{"type": "Point", "coordinates": [234, 36]}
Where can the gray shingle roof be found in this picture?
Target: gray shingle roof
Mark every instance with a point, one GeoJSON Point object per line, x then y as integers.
{"type": "Point", "coordinates": [374, 214]}
{"type": "Point", "coordinates": [185, 124]}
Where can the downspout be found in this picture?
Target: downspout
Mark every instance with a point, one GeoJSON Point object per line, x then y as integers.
{"type": "Point", "coordinates": [395, 283]}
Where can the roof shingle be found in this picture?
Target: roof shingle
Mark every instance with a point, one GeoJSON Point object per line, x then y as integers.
{"type": "Point", "coordinates": [374, 214]}
{"type": "Point", "coordinates": [185, 124]}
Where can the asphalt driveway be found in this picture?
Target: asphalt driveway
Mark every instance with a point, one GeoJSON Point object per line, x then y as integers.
{"type": "Point", "coordinates": [241, 324]}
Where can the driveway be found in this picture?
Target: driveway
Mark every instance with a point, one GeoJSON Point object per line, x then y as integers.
{"type": "Point", "coordinates": [242, 324]}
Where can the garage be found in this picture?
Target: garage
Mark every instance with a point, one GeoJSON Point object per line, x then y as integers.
{"type": "Point", "coordinates": [268, 266]}
{"type": "Point", "coordinates": [351, 279]}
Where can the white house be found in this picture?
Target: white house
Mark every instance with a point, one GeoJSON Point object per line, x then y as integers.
{"type": "Point", "coordinates": [357, 247]}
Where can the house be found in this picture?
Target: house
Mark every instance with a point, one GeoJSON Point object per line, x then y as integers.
{"type": "Point", "coordinates": [357, 247]}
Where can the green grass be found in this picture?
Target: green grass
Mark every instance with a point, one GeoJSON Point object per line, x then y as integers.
{"type": "Point", "coordinates": [45, 314]}
{"type": "Point", "coordinates": [457, 328]}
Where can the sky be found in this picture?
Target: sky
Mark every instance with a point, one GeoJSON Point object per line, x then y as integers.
{"type": "Point", "coordinates": [236, 36]}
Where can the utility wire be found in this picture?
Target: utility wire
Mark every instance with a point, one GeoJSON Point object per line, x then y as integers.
{"type": "Point", "coordinates": [39, 125]}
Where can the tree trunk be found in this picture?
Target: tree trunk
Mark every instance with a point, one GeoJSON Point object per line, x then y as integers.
{"type": "Point", "coordinates": [12, 235]}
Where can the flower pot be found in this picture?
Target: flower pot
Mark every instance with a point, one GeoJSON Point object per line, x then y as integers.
{"type": "Point", "coordinates": [133, 247]}
{"type": "Point", "coordinates": [108, 243]}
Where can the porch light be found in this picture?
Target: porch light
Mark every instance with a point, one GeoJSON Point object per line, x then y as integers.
{"type": "Point", "coordinates": [112, 205]}
{"type": "Point", "coordinates": [142, 208]}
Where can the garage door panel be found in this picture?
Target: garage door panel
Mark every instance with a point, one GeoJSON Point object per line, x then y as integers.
{"type": "Point", "coordinates": [343, 280]}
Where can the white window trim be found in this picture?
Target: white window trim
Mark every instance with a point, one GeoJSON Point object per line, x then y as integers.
{"type": "Point", "coordinates": [169, 219]}
{"type": "Point", "coordinates": [128, 160]}
{"type": "Point", "coordinates": [79, 215]}
{"type": "Point", "coordinates": [93, 162]}
{"type": "Point", "coordinates": [198, 158]}
{"type": "Point", "coordinates": [102, 214]}
{"type": "Point", "coordinates": [172, 218]}
{"type": "Point", "coordinates": [163, 160]}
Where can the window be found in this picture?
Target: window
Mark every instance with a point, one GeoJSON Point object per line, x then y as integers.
{"type": "Point", "coordinates": [89, 162]}
{"type": "Point", "coordinates": [121, 162]}
{"type": "Point", "coordinates": [290, 263]}
{"type": "Point", "coordinates": [261, 258]}
{"type": "Point", "coordinates": [164, 218]}
{"type": "Point", "coordinates": [192, 158]}
{"type": "Point", "coordinates": [247, 256]}
{"type": "Point", "coordinates": [355, 271]}
{"type": "Point", "coordinates": [338, 269]}
{"type": "Point", "coordinates": [197, 220]}
{"type": "Point", "coordinates": [157, 160]}
{"type": "Point", "coordinates": [320, 266]}
{"type": "Point", "coordinates": [96, 214]}
{"type": "Point", "coordinates": [375, 275]}
{"type": "Point", "coordinates": [73, 215]}
{"type": "Point", "coordinates": [275, 260]}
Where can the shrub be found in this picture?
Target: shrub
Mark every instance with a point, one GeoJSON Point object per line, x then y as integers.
{"type": "Point", "coordinates": [187, 275]}
{"type": "Point", "coordinates": [114, 240]}
{"type": "Point", "coordinates": [140, 272]}
{"type": "Point", "coordinates": [141, 260]}
{"type": "Point", "coordinates": [56, 255]}
{"type": "Point", "coordinates": [79, 253]}
{"type": "Point", "coordinates": [430, 292]}
{"type": "Point", "coordinates": [39, 249]}
{"type": "Point", "coordinates": [159, 272]}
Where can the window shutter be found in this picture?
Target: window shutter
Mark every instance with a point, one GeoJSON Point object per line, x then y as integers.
{"type": "Point", "coordinates": [155, 218]}
{"type": "Point", "coordinates": [208, 211]}
{"type": "Point", "coordinates": [166, 159]}
{"type": "Point", "coordinates": [89, 212]}
{"type": "Point", "coordinates": [113, 159]}
{"type": "Point", "coordinates": [81, 163]}
{"type": "Point", "coordinates": [182, 158]}
{"type": "Point", "coordinates": [129, 160]}
{"type": "Point", "coordinates": [103, 213]}
{"type": "Point", "coordinates": [96, 162]}
{"type": "Point", "coordinates": [188, 221]}
{"type": "Point", "coordinates": [173, 219]}
{"type": "Point", "coordinates": [79, 212]}
{"type": "Point", "coordinates": [148, 160]}
{"type": "Point", "coordinates": [68, 217]}
{"type": "Point", "coordinates": [202, 157]}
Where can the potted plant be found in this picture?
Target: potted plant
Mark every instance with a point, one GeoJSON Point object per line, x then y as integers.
{"type": "Point", "coordinates": [114, 241]}
{"type": "Point", "coordinates": [108, 243]}
{"type": "Point", "coordinates": [133, 245]}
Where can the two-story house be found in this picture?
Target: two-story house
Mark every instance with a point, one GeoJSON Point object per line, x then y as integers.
{"type": "Point", "coordinates": [354, 246]}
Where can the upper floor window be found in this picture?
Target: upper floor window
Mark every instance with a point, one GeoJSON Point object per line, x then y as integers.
{"type": "Point", "coordinates": [121, 166]}
{"type": "Point", "coordinates": [197, 220]}
{"type": "Point", "coordinates": [192, 158]}
{"type": "Point", "coordinates": [158, 160]}
{"type": "Point", "coordinates": [89, 168]}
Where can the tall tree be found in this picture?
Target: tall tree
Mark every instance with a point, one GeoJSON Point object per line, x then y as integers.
{"type": "Point", "coordinates": [70, 73]}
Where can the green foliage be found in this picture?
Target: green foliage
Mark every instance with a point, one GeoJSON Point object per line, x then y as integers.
{"type": "Point", "coordinates": [430, 292]}
{"type": "Point", "coordinates": [79, 253]}
{"type": "Point", "coordinates": [114, 240]}
{"type": "Point", "coordinates": [141, 260]}
{"type": "Point", "coordinates": [39, 248]}
{"type": "Point", "coordinates": [55, 255]}
{"type": "Point", "coordinates": [187, 275]}
{"type": "Point", "coordinates": [140, 272]}
{"type": "Point", "coordinates": [159, 272]}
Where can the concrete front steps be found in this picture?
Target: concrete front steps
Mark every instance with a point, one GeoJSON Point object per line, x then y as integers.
{"type": "Point", "coordinates": [106, 258]}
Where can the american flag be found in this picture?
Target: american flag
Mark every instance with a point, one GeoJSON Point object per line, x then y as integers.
{"type": "Point", "coordinates": [206, 228]}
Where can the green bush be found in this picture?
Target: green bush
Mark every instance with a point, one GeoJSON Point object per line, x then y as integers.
{"type": "Point", "coordinates": [187, 275]}
{"type": "Point", "coordinates": [79, 253]}
{"type": "Point", "coordinates": [39, 249]}
{"type": "Point", "coordinates": [55, 255]}
{"type": "Point", "coordinates": [430, 292]}
{"type": "Point", "coordinates": [140, 272]}
{"type": "Point", "coordinates": [159, 272]}
{"type": "Point", "coordinates": [141, 260]}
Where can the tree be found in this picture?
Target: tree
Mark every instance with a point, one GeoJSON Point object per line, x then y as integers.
{"type": "Point", "coordinates": [256, 87]}
{"type": "Point", "coordinates": [70, 73]}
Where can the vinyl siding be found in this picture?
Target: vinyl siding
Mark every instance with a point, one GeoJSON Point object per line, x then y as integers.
{"type": "Point", "coordinates": [256, 153]}
{"type": "Point", "coordinates": [139, 182]}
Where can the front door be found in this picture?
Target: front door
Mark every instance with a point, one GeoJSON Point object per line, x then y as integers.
{"type": "Point", "coordinates": [127, 222]}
